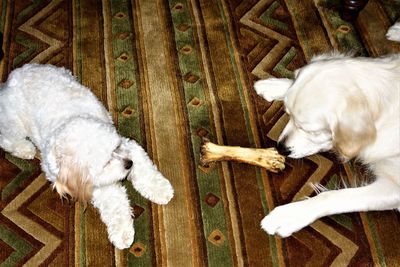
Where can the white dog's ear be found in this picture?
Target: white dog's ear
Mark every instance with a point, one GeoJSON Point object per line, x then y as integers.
{"type": "Point", "coordinates": [73, 180]}
{"type": "Point", "coordinates": [354, 128]}
{"type": "Point", "coordinates": [273, 88]}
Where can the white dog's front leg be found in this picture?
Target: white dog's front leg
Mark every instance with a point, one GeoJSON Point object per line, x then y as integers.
{"type": "Point", "coordinates": [145, 177]}
{"type": "Point", "coordinates": [21, 148]}
{"type": "Point", "coordinates": [284, 220]}
{"type": "Point", "coordinates": [116, 213]}
{"type": "Point", "coordinates": [273, 88]}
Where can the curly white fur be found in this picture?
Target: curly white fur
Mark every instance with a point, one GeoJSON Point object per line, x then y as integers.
{"type": "Point", "coordinates": [45, 107]}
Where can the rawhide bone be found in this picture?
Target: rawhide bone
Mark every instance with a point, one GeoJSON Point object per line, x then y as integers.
{"type": "Point", "coordinates": [268, 158]}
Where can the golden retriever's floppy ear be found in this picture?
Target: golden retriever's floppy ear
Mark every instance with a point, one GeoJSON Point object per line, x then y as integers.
{"type": "Point", "coordinates": [354, 128]}
{"type": "Point", "coordinates": [74, 181]}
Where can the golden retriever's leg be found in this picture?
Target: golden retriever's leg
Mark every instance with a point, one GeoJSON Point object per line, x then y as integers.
{"type": "Point", "coordinates": [383, 194]}
{"type": "Point", "coordinates": [267, 158]}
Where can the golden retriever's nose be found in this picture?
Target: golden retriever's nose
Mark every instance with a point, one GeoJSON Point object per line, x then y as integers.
{"type": "Point", "coordinates": [282, 149]}
{"type": "Point", "coordinates": [128, 164]}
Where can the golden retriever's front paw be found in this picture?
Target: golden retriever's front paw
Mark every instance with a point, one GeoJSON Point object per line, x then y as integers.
{"type": "Point", "coordinates": [287, 219]}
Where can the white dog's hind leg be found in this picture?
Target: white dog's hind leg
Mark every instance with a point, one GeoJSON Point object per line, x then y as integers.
{"type": "Point", "coordinates": [394, 32]}
{"type": "Point", "coordinates": [145, 177]}
{"type": "Point", "coordinates": [116, 213]}
{"type": "Point", "coordinates": [21, 148]}
{"type": "Point", "coordinates": [273, 88]}
{"type": "Point", "coordinates": [284, 220]}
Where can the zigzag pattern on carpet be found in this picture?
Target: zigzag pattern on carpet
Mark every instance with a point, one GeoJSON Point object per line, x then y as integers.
{"type": "Point", "coordinates": [172, 72]}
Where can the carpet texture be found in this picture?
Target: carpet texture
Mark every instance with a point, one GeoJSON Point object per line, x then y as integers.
{"type": "Point", "coordinates": [171, 72]}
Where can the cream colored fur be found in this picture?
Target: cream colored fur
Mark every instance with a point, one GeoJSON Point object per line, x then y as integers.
{"type": "Point", "coordinates": [349, 105]}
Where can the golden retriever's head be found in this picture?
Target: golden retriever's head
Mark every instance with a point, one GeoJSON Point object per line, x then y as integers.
{"type": "Point", "coordinates": [323, 124]}
{"type": "Point", "coordinates": [327, 111]}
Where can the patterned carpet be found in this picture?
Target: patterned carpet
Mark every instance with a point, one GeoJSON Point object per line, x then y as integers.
{"type": "Point", "coordinates": [172, 72]}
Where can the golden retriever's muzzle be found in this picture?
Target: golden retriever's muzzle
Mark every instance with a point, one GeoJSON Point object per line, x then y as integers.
{"type": "Point", "coordinates": [282, 148]}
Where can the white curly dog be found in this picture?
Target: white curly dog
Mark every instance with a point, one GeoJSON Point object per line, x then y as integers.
{"type": "Point", "coordinates": [44, 107]}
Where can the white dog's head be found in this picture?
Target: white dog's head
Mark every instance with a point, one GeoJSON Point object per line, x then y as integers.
{"type": "Point", "coordinates": [326, 107]}
{"type": "Point", "coordinates": [89, 154]}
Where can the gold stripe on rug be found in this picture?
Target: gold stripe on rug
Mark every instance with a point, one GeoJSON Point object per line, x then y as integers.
{"type": "Point", "coordinates": [91, 46]}
{"type": "Point", "coordinates": [178, 244]}
{"type": "Point", "coordinates": [231, 208]}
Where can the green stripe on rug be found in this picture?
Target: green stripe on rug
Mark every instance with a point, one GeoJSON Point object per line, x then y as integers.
{"type": "Point", "coordinates": [82, 239]}
{"type": "Point", "coordinates": [127, 104]}
{"type": "Point", "coordinates": [126, 82]}
{"type": "Point", "coordinates": [198, 111]}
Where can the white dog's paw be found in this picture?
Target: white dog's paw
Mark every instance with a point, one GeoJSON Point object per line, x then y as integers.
{"type": "Point", "coordinates": [394, 32]}
{"type": "Point", "coordinates": [116, 213]}
{"type": "Point", "coordinates": [159, 190]}
{"type": "Point", "coordinates": [24, 149]}
{"type": "Point", "coordinates": [122, 235]}
{"type": "Point", "coordinates": [162, 192]}
{"type": "Point", "coordinates": [287, 219]}
{"type": "Point", "coordinates": [273, 88]}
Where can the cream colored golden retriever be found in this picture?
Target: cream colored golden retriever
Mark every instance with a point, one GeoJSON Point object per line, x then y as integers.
{"type": "Point", "coordinates": [350, 105]}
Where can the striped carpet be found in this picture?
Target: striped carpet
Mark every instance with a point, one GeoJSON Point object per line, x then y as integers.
{"type": "Point", "coordinates": [171, 72]}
